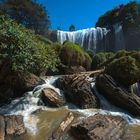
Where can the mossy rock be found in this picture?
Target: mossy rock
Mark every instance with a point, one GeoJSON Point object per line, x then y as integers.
{"type": "Point", "coordinates": [72, 55]}
{"type": "Point", "coordinates": [125, 70]}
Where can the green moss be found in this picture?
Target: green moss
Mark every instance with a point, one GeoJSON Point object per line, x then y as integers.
{"type": "Point", "coordinates": [57, 46]}
{"type": "Point", "coordinates": [97, 60]}
{"type": "Point", "coordinates": [125, 70]}
{"type": "Point", "coordinates": [72, 55]}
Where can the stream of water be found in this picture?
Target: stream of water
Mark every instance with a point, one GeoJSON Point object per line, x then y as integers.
{"type": "Point", "coordinates": [41, 121]}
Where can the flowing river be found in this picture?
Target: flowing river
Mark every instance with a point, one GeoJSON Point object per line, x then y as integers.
{"type": "Point", "coordinates": [41, 121]}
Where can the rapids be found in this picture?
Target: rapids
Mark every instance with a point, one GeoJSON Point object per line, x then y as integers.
{"type": "Point", "coordinates": [41, 121]}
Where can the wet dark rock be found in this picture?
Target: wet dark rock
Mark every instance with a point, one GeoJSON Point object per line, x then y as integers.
{"type": "Point", "coordinates": [117, 95]}
{"type": "Point", "coordinates": [6, 94]}
{"type": "Point", "coordinates": [135, 88]}
{"type": "Point", "coordinates": [78, 91]}
{"type": "Point", "coordinates": [11, 126]}
{"type": "Point", "coordinates": [23, 82]}
{"type": "Point", "coordinates": [52, 98]}
{"type": "Point", "coordinates": [2, 128]}
{"type": "Point", "coordinates": [15, 84]}
{"type": "Point", "coordinates": [99, 127]}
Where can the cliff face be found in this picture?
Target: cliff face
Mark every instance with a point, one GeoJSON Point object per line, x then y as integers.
{"type": "Point", "coordinates": [132, 38]}
{"type": "Point", "coordinates": [52, 35]}
{"type": "Point", "coordinates": [128, 16]}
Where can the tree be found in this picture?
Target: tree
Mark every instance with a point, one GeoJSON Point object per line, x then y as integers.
{"type": "Point", "coordinates": [28, 13]}
{"type": "Point", "coordinates": [21, 49]}
{"type": "Point", "coordinates": [72, 27]}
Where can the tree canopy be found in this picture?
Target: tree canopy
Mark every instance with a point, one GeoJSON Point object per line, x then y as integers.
{"type": "Point", "coordinates": [28, 13]}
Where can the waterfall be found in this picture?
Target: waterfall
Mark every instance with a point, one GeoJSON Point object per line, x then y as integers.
{"type": "Point", "coordinates": [119, 37]}
{"type": "Point", "coordinates": [96, 39]}
{"type": "Point", "coordinates": [89, 39]}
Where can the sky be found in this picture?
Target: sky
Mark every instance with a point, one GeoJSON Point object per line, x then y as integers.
{"type": "Point", "coordinates": [81, 13]}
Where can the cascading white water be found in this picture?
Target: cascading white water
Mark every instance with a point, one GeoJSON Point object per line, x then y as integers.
{"type": "Point", "coordinates": [89, 39]}
{"type": "Point", "coordinates": [119, 37]}
{"type": "Point", "coordinates": [95, 39]}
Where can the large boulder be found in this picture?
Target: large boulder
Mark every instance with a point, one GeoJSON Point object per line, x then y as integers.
{"type": "Point", "coordinates": [52, 98]}
{"type": "Point", "coordinates": [118, 95]}
{"type": "Point", "coordinates": [78, 91]}
{"type": "Point", "coordinates": [11, 126]}
{"type": "Point", "coordinates": [99, 127]}
{"type": "Point", "coordinates": [6, 94]}
{"type": "Point", "coordinates": [15, 84]}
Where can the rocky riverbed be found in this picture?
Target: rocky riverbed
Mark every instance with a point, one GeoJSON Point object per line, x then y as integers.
{"type": "Point", "coordinates": [74, 107]}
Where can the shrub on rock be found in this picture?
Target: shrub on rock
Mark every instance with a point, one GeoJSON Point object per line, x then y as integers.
{"type": "Point", "coordinates": [97, 60]}
{"type": "Point", "coordinates": [125, 70]}
{"type": "Point", "coordinates": [72, 55]}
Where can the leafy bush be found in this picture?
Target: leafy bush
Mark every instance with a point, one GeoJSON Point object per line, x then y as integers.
{"type": "Point", "coordinates": [72, 55]}
{"type": "Point", "coordinates": [127, 14]}
{"type": "Point", "coordinates": [91, 53]}
{"type": "Point", "coordinates": [57, 47]}
{"type": "Point", "coordinates": [88, 61]}
{"type": "Point", "coordinates": [21, 49]}
{"type": "Point", "coordinates": [125, 70]}
{"type": "Point", "coordinates": [121, 53]}
{"type": "Point", "coordinates": [136, 55]}
{"type": "Point", "coordinates": [97, 60]}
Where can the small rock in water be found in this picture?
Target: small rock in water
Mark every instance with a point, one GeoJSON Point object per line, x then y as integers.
{"type": "Point", "coordinates": [99, 127]}
{"type": "Point", "coordinates": [52, 98]}
{"type": "Point", "coordinates": [11, 126]}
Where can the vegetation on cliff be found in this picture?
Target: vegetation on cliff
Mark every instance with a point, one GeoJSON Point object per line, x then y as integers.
{"type": "Point", "coordinates": [127, 14]}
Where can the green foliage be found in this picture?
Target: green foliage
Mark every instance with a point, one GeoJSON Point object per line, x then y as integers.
{"type": "Point", "coordinates": [125, 70]}
{"type": "Point", "coordinates": [72, 55]}
{"type": "Point", "coordinates": [136, 56]}
{"type": "Point", "coordinates": [57, 46]}
{"type": "Point", "coordinates": [91, 53]}
{"type": "Point", "coordinates": [127, 14]}
{"type": "Point", "coordinates": [109, 55]}
{"type": "Point", "coordinates": [121, 53]}
{"type": "Point", "coordinates": [23, 50]}
{"type": "Point", "coordinates": [97, 60]}
{"type": "Point", "coordinates": [28, 13]}
{"type": "Point", "coordinates": [88, 61]}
